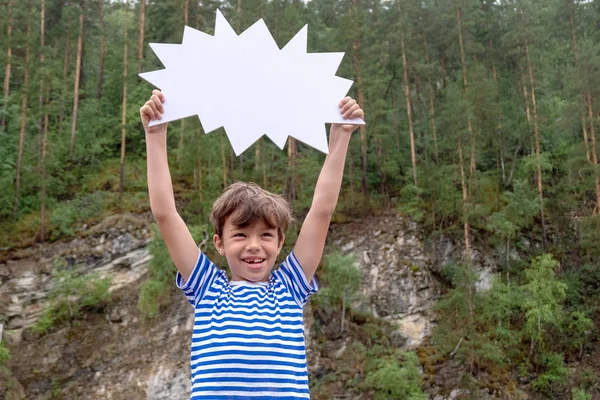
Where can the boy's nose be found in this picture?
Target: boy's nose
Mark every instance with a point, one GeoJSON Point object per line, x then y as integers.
{"type": "Point", "coordinates": [252, 244]}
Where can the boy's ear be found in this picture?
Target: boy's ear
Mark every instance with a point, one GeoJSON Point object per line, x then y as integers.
{"type": "Point", "coordinates": [280, 246]}
{"type": "Point", "coordinates": [219, 244]}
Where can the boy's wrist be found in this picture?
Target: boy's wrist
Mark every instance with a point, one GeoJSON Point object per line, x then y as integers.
{"type": "Point", "coordinates": [338, 136]}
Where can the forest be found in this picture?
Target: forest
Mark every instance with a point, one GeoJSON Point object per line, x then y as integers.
{"type": "Point", "coordinates": [481, 117]}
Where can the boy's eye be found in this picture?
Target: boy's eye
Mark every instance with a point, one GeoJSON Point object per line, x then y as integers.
{"type": "Point", "coordinates": [268, 234]}
{"type": "Point", "coordinates": [239, 235]}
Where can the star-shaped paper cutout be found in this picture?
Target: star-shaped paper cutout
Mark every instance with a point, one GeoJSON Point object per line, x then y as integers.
{"type": "Point", "coordinates": [249, 86]}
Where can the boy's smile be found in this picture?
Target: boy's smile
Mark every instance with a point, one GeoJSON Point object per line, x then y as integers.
{"type": "Point", "coordinates": [251, 250]}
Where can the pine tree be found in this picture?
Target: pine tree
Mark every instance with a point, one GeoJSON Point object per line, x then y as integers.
{"type": "Point", "coordinates": [10, 6]}
{"type": "Point", "coordinates": [76, 84]}
{"type": "Point", "coordinates": [25, 93]}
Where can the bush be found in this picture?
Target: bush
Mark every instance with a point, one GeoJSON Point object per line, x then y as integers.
{"type": "Point", "coordinates": [341, 280]}
{"type": "Point", "coordinates": [580, 394]}
{"type": "Point", "coordinates": [555, 374]}
{"type": "Point", "coordinates": [65, 216]}
{"type": "Point", "coordinates": [396, 377]}
{"type": "Point", "coordinates": [156, 291]}
{"type": "Point", "coordinates": [72, 293]}
{"type": "Point", "coordinates": [4, 355]}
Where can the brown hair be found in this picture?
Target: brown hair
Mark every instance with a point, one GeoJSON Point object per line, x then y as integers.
{"type": "Point", "coordinates": [248, 203]}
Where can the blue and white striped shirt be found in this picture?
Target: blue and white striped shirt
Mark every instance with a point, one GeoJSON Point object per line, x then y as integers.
{"type": "Point", "coordinates": [248, 338]}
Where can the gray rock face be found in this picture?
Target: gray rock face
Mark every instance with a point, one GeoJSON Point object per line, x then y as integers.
{"type": "Point", "coordinates": [26, 283]}
{"type": "Point", "coordinates": [120, 356]}
{"type": "Point", "coordinates": [396, 281]}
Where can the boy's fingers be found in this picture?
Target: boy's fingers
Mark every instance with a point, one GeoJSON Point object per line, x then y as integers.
{"type": "Point", "coordinates": [358, 114]}
{"type": "Point", "coordinates": [349, 104]}
{"type": "Point", "coordinates": [148, 110]}
{"type": "Point", "coordinates": [157, 103]}
{"type": "Point", "coordinates": [344, 101]}
{"type": "Point", "coordinates": [157, 113]}
{"type": "Point", "coordinates": [351, 110]}
{"type": "Point", "coordinates": [160, 95]}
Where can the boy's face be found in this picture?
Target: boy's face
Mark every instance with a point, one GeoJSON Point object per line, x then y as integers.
{"type": "Point", "coordinates": [251, 251]}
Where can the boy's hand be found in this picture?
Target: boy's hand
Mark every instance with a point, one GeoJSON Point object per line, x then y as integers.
{"type": "Point", "coordinates": [153, 109]}
{"type": "Point", "coordinates": [349, 109]}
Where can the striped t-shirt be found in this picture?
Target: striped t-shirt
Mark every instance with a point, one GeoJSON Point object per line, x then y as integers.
{"type": "Point", "coordinates": [248, 338]}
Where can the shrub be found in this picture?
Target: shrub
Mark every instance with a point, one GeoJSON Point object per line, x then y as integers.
{"type": "Point", "coordinates": [156, 291]}
{"type": "Point", "coordinates": [580, 394]}
{"type": "Point", "coordinates": [396, 377]}
{"type": "Point", "coordinates": [555, 374]}
{"type": "Point", "coordinates": [341, 280]}
{"type": "Point", "coordinates": [72, 293]}
{"type": "Point", "coordinates": [4, 354]}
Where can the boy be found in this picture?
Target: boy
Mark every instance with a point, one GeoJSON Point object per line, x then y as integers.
{"type": "Point", "coordinates": [248, 336]}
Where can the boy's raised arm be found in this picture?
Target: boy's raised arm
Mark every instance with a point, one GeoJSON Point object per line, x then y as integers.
{"type": "Point", "coordinates": [311, 240]}
{"type": "Point", "coordinates": [179, 241]}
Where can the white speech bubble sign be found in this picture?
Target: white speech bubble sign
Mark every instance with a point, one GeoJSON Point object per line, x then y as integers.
{"type": "Point", "coordinates": [249, 86]}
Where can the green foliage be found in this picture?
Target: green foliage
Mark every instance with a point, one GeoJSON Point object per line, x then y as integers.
{"type": "Point", "coordinates": [65, 216]}
{"type": "Point", "coordinates": [579, 327]}
{"type": "Point", "coordinates": [544, 296]}
{"type": "Point", "coordinates": [554, 376]}
{"type": "Point", "coordinates": [486, 119]}
{"type": "Point", "coordinates": [396, 377]}
{"type": "Point", "coordinates": [155, 292]}
{"type": "Point", "coordinates": [4, 354]}
{"type": "Point", "coordinates": [580, 394]}
{"type": "Point", "coordinates": [339, 279]}
{"type": "Point", "coordinates": [73, 292]}
{"type": "Point", "coordinates": [153, 295]}
{"type": "Point", "coordinates": [411, 201]}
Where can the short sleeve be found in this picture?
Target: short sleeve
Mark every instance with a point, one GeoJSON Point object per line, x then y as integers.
{"type": "Point", "coordinates": [202, 276]}
{"type": "Point", "coordinates": [291, 274]}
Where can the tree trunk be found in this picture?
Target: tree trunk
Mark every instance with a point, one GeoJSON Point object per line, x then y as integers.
{"type": "Point", "coordinates": [431, 107]}
{"type": "Point", "coordinates": [231, 164]}
{"type": "Point", "coordinates": [363, 129]}
{"type": "Point", "coordinates": [257, 155]}
{"type": "Point", "coordinates": [356, 64]}
{"type": "Point", "coordinates": [593, 148]}
{"type": "Point", "coordinates": [43, 132]}
{"type": "Point", "coordinates": [76, 85]}
{"type": "Point", "coordinates": [433, 124]}
{"type": "Point", "coordinates": [465, 202]}
{"type": "Point", "coordinates": [186, 11]}
{"type": "Point", "coordinates": [537, 144]}
{"type": "Point", "coordinates": [411, 132]}
{"type": "Point", "coordinates": [224, 159]}
{"type": "Point", "coordinates": [466, 87]}
{"type": "Point", "coordinates": [200, 173]}
{"type": "Point", "coordinates": [181, 142]}
{"type": "Point", "coordinates": [42, 235]}
{"type": "Point", "coordinates": [585, 98]}
{"type": "Point", "coordinates": [395, 119]}
{"type": "Point", "coordinates": [124, 107]}
{"type": "Point", "coordinates": [41, 68]}
{"type": "Point", "coordinates": [11, 5]}
{"type": "Point", "coordinates": [343, 310]}
{"type": "Point", "coordinates": [466, 228]}
{"type": "Point", "coordinates": [23, 114]}
{"type": "Point", "coordinates": [572, 25]}
{"type": "Point", "coordinates": [494, 74]}
{"type": "Point", "coordinates": [101, 68]}
{"type": "Point", "coordinates": [291, 181]}
{"type": "Point", "coordinates": [141, 35]}
{"type": "Point", "coordinates": [198, 15]}
{"type": "Point", "coordinates": [63, 87]}
{"type": "Point", "coordinates": [264, 171]}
